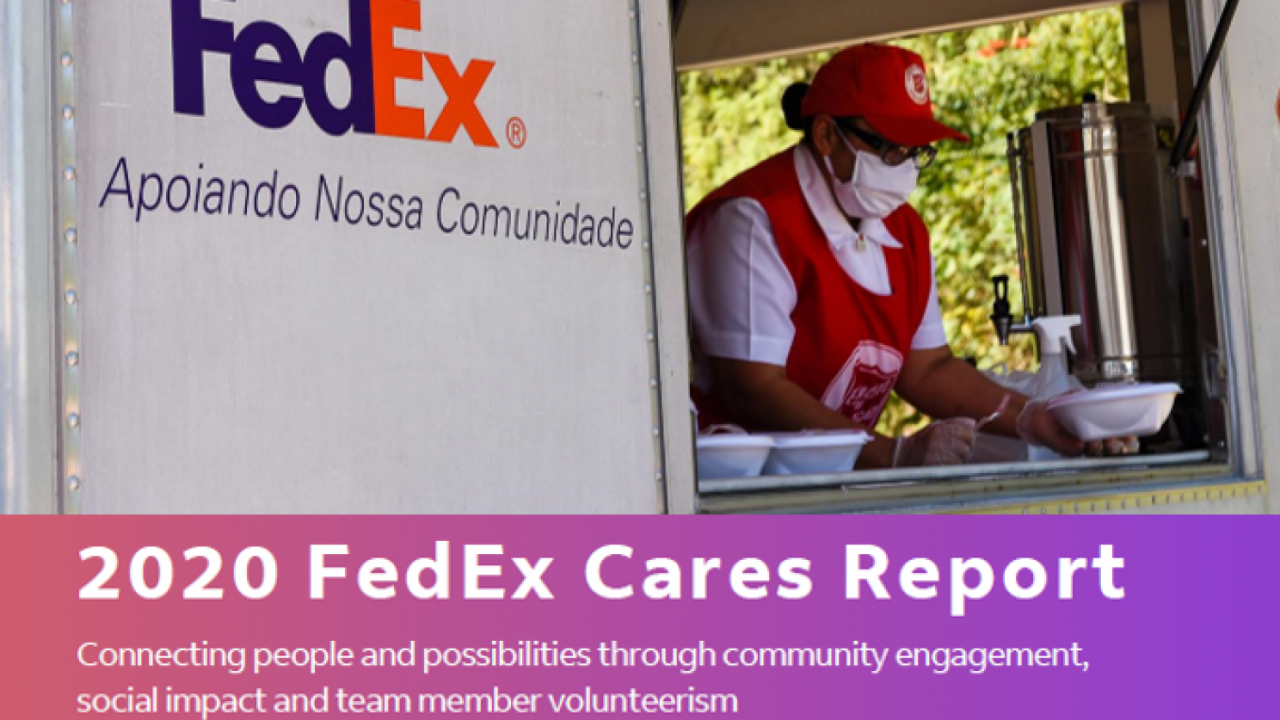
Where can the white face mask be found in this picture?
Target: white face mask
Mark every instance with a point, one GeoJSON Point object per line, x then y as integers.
{"type": "Point", "coordinates": [876, 189]}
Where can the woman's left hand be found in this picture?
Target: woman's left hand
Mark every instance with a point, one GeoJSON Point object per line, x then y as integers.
{"type": "Point", "coordinates": [946, 442]}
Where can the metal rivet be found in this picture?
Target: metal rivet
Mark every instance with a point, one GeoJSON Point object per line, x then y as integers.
{"type": "Point", "coordinates": [648, 288]}
{"type": "Point", "coordinates": [73, 482]}
{"type": "Point", "coordinates": [73, 358]}
{"type": "Point", "coordinates": [73, 420]}
{"type": "Point", "coordinates": [72, 297]}
{"type": "Point", "coordinates": [1204, 243]}
{"type": "Point", "coordinates": [657, 476]}
{"type": "Point", "coordinates": [638, 103]}
{"type": "Point", "coordinates": [644, 195]}
{"type": "Point", "coordinates": [68, 112]}
{"type": "Point", "coordinates": [69, 173]}
{"type": "Point", "coordinates": [650, 337]}
{"type": "Point", "coordinates": [639, 149]}
{"type": "Point", "coordinates": [66, 59]}
{"type": "Point", "coordinates": [635, 59]}
{"type": "Point", "coordinates": [653, 383]}
{"type": "Point", "coordinates": [657, 432]}
{"type": "Point", "coordinates": [646, 245]}
{"type": "Point", "coordinates": [633, 14]}
{"type": "Point", "coordinates": [72, 235]}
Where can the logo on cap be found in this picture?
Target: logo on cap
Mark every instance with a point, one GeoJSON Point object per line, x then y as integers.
{"type": "Point", "coordinates": [918, 85]}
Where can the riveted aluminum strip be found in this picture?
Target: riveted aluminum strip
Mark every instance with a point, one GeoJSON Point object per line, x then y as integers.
{"type": "Point", "coordinates": [1130, 502]}
{"type": "Point", "coordinates": [67, 259]}
{"type": "Point", "coordinates": [646, 235]}
{"type": "Point", "coordinates": [667, 212]}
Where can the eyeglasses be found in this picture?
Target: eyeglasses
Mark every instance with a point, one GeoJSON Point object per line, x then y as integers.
{"type": "Point", "coordinates": [893, 155]}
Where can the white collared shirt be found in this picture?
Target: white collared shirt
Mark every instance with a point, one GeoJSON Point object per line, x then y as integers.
{"type": "Point", "coordinates": [741, 294]}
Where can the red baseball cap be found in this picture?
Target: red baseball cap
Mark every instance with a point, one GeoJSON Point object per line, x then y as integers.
{"type": "Point", "coordinates": [887, 86]}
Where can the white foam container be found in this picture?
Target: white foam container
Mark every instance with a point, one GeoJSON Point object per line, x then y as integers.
{"type": "Point", "coordinates": [724, 457]}
{"type": "Point", "coordinates": [1116, 411]}
{"type": "Point", "coordinates": [815, 453]}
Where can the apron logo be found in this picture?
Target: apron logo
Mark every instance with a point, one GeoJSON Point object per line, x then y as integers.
{"type": "Point", "coordinates": [370, 56]}
{"type": "Point", "coordinates": [918, 85]}
{"type": "Point", "coordinates": [861, 390]}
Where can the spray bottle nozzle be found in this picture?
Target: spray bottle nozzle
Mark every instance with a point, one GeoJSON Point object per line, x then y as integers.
{"type": "Point", "coordinates": [1055, 333]}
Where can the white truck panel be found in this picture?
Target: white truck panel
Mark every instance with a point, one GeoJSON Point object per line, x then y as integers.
{"type": "Point", "coordinates": [235, 363]}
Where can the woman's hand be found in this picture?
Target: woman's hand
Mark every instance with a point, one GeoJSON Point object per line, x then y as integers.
{"type": "Point", "coordinates": [947, 442]}
{"type": "Point", "coordinates": [1038, 426]}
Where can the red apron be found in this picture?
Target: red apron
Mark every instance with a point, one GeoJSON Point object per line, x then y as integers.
{"type": "Point", "coordinates": [850, 344]}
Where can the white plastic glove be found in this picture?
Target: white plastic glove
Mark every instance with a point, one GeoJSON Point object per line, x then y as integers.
{"type": "Point", "coordinates": [1039, 427]}
{"type": "Point", "coordinates": [947, 442]}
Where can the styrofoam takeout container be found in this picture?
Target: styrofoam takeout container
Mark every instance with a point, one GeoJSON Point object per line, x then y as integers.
{"type": "Point", "coordinates": [723, 457]}
{"type": "Point", "coordinates": [1116, 411]}
{"type": "Point", "coordinates": [815, 453]}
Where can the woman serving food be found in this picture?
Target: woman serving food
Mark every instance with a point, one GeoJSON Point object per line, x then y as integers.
{"type": "Point", "coordinates": [812, 285]}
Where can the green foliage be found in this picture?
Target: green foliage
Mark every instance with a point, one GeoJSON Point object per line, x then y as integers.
{"type": "Point", "coordinates": [986, 82]}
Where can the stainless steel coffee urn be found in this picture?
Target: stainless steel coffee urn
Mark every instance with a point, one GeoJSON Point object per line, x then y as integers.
{"type": "Point", "coordinates": [1101, 235]}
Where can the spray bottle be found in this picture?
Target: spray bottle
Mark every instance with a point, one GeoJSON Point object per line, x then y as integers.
{"type": "Point", "coordinates": [1054, 334]}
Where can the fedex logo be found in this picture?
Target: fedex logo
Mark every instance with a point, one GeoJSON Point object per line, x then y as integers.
{"type": "Point", "coordinates": [262, 52]}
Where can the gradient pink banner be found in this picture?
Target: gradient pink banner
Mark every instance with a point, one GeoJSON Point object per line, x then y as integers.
{"type": "Point", "coordinates": [1193, 635]}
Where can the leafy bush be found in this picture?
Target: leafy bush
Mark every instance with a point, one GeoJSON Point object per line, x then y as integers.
{"type": "Point", "coordinates": [986, 82]}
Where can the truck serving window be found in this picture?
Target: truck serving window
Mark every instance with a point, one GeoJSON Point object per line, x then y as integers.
{"type": "Point", "coordinates": [1061, 212]}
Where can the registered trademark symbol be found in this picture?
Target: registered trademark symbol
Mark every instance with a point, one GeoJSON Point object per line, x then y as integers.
{"type": "Point", "coordinates": [517, 133]}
